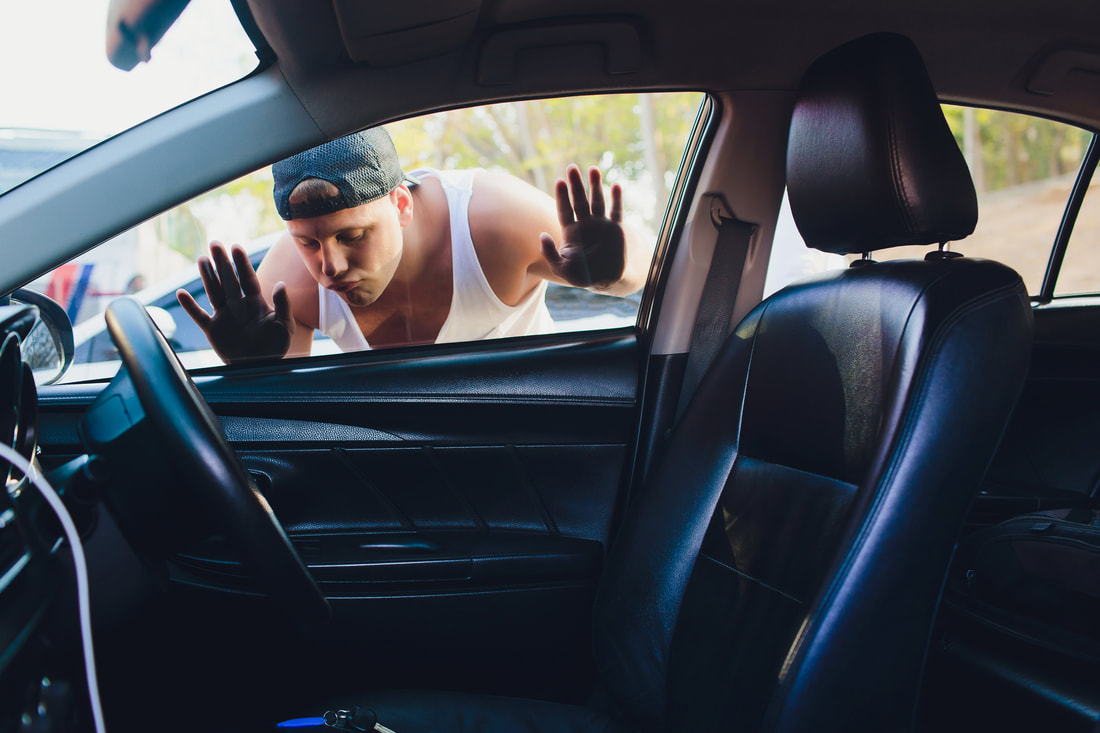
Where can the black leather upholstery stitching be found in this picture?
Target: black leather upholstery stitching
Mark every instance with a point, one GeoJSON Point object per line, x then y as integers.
{"type": "Point", "coordinates": [901, 195]}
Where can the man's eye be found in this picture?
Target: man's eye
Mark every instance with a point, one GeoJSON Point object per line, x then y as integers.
{"type": "Point", "coordinates": [354, 237]}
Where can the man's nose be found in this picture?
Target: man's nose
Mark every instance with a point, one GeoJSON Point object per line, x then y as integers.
{"type": "Point", "coordinates": [333, 262]}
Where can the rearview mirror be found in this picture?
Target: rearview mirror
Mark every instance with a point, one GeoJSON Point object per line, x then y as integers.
{"type": "Point", "coordinates": [135, 26]}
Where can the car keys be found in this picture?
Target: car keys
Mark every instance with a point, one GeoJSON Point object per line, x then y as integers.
{"type": "Point", "coordinates": [355, 719]}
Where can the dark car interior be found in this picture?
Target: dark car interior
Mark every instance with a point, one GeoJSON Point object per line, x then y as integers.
{"type": "Point", "coordinates": [699, 621]}
{"type": "Point", "coordinates": [765, 530]}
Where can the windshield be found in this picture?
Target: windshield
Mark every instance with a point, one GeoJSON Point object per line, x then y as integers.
{"type": "Point", "coordinates": [61, 95]}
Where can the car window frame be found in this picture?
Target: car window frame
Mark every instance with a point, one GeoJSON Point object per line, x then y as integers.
{"type": "Point", "coordinates": [691, 158]}
{"type": "Point", "coordinates": [1065, 229]}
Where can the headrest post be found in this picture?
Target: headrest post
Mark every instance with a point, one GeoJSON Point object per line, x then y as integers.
{"type": "Point", "coordinates": [863, 261]}
{"type": "Point", "coordinates": [943, 253]}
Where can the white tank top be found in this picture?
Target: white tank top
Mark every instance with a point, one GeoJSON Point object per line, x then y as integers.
{"type": "Point", "coordinates": [476, 312]}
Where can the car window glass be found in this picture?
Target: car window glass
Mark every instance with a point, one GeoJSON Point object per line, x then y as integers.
{"type": "Point", "coordinates": [790, 259]}
{"type": "Point", "coordinates": [1080, 270]}
{"type": "Point", "coordinates": [1024, 169]}
{"type": "Point", "coordinates": [62, 95]}
{"type": "Point", "coordinates": [637, 141]}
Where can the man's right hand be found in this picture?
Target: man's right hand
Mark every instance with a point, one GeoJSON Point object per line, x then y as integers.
{"type": "Point", "coordinates": [243, 325]}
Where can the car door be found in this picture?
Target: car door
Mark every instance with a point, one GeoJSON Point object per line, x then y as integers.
{"type": "Point", "coordinates": [996, 662]}
{"type": "Point", "coordinates": [454, 503]}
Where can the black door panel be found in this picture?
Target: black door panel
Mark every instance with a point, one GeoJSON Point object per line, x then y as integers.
{"type": "Point", "coordinates": [995, 668]}
{"type": "Point", "coordinates": [453, 502]}
{"type": "Point", "coordinates": [577, 392]}
{"type": "Point", "coordinates": [566, 490]}
{"type": "Point", "coordinates": [445, 479]}
{"type": "Point", "coordinates": [1048, 457]}
{"type": "Point", "coordinates": [409, 565]}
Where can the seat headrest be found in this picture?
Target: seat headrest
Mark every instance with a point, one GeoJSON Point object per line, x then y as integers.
{"type": "Point", "coordinates": [871, 162]}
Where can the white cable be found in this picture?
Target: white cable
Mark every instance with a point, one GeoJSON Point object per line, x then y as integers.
{"type": "Point", "coordinates": [79, 563]}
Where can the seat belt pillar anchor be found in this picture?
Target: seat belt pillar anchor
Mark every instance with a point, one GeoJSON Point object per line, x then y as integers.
{"type": "Point", "coordinates": [720, 209]}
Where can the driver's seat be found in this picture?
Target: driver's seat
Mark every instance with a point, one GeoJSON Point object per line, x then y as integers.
{"type": "Point", "coordinates": [782, 567]}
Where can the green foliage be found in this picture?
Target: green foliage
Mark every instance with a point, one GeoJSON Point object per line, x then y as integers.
{"type": "Point", "coordinates": [1016, 148]}
{"type": "Point", "coordinates": [636, 140]}
{"type": "Point", "coordinates": [258, 186]}
{"type": "Point", "coordinates": [182, 231]}
{"type": "Point", "coordinates": [536, 140]}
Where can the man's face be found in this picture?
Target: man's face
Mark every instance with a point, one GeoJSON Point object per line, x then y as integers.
{"type": "Point", "coordinates": [355, 252]}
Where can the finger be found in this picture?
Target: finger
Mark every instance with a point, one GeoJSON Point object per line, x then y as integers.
{"type": "Point", "coordinates": [211, 283]}
{"type": "Point", "coordinates": [595, 185]}
{"type": "Point", "coordinates": [231, 286]}
{"type": "Point", "coordinates": [281, 300]}
{"type": "Point", "coordinates": [616, 203]}
{"type": "Point", "coordinates": [198, 315]}
{"type": "Point", "coordinates": [250, 284]}
{"type": "Point", "coordinates": [550, 253]}
{"type": "Point", "coordinates": [565, 209]}
{"type": "Point", "coordinates": [576, 187]}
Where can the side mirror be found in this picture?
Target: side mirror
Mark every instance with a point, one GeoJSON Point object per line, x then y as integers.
{"type": "Point", "coordinates": [48, 348]}
{"type": "Point", "coordinates": [163, 320]}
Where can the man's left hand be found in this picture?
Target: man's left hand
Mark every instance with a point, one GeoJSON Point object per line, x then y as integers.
{"type": "Point", "coordinates": [592, 253]}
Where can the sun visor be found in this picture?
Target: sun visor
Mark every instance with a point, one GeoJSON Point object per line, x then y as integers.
{"type": "Point", "coordinates": [387, 34]}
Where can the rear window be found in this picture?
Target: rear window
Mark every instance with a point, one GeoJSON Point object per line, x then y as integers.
{"type": "Point", "coordinates": [1024, 170]}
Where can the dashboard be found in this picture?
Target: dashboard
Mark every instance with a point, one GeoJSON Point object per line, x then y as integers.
{"type": "Point", "coordinates": [33, 559]}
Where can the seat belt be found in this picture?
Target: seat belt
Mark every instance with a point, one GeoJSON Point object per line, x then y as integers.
{"type": "Point", "coordinates": [712, 321]}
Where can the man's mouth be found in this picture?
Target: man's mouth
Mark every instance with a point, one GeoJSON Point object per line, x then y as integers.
{"type": "Point", "coordinates": [342, 287]}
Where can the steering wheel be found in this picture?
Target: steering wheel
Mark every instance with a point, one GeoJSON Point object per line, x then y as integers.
{"type": "Point", "coordinates": [182, 422]}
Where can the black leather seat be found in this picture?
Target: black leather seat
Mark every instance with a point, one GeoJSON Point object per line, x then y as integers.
{"type": "Point", "coordinates": [781, 569]}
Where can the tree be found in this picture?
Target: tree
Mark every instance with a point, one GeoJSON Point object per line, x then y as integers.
{"type": "Point", "coordinates": [1016, 148]}
{"type": "Point", "coordinates": [637, 139]}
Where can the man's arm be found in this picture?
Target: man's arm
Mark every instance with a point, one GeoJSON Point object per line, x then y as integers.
{"type": "Point", "coordinates": [522, 235]}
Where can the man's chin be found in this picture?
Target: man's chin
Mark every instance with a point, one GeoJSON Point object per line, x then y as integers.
{"type": "Point", "coordinates": [357, 298]}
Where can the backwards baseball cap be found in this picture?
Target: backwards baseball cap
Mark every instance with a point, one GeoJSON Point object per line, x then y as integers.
{"type": "Point", "coordinates": [362, 166]}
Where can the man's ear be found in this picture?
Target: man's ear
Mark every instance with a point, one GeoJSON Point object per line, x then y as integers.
{"type": "Point", "coordinates": [403, 201]}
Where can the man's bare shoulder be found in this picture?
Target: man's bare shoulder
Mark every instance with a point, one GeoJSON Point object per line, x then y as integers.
{"type": "Point", "coordinates": [283, 264]}
{"type": "Point", "coordinates": [506, 216]}
{"type": "Point", "coordinates": [506, 197]}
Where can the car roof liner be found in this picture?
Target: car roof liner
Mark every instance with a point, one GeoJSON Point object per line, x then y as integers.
{"type": "Point", "coordinates": [396, 33]}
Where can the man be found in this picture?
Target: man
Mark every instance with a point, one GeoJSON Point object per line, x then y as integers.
{"type": "Point", "coordinates": [375, 258]}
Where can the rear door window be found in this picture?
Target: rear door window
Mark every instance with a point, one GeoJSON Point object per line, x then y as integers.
{"type": "Point", "coordinates": [1024, 170]}
{"type": "Point", "coordinates": [1079, 273]}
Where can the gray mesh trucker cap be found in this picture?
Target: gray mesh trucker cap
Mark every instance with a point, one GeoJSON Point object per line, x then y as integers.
{"type": "Point", "coordinates": [363, 166]}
